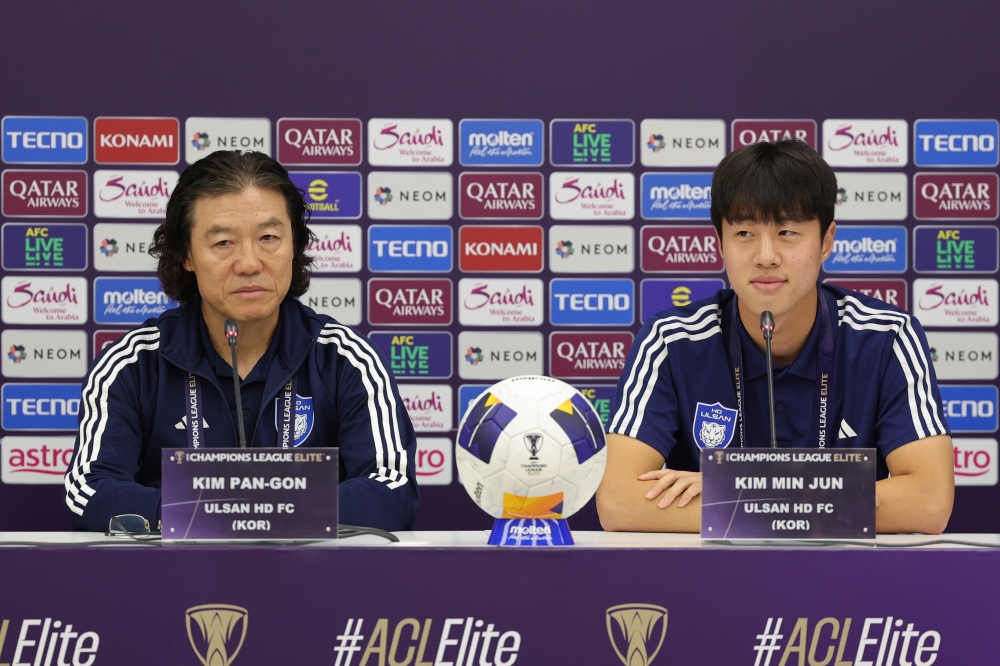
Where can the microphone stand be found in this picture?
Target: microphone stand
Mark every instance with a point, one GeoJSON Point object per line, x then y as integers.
{"type": "Point", "coordinates": [767, 328]}
{"type": "Point", "coordinates": [232, 333]}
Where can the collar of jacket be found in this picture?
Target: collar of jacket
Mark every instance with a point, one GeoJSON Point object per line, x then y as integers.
{"type": "Point", "coordinates": [298, 328]}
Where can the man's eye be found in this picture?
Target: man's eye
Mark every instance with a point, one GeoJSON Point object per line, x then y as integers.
{"type": "Point", "coordinates": [743, 234]}
{"type": "Point", "coordinates": [224, 243]}
{"type": "Point", "coordinates": [268, 237]}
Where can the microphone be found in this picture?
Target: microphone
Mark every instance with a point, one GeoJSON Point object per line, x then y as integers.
{"type": "Point", "coordinates": [233, 332]}
{"type": "Point", "coordinates": [767, 328]}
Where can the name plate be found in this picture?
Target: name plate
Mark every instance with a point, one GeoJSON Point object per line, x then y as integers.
{"type": "Point", "coordinates": [211, 494]}
{"type": "Point", "coordinates": [795, 494]}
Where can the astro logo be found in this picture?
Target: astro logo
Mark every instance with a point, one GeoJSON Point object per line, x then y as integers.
{"type": "Point", "coordinates": [16, 353]}
{"type": "Point", "coordinates": [129, 300]}
{"type": "Point", "coordinates": [109, 246]}
{"type": "Point", "coordinates": [474, 355]}
{"type": "Point", "coordinates": [656, 143]}
{"type": "Point", "coordinates": [41, 406]}
{"type": "Point", "coordinates": [200, 141]}
{"type": "Point", "coordinates": [564, 249]}
{"type": "Point", "coordinates": [970, 408]}
{"type": "Point", "coordinates": [955, 143]}
{"type": "Point", "coordinates": [576, 302]}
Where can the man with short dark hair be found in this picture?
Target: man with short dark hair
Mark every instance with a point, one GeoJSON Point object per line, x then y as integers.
{"type": "Point", "coordinates": [233, 246]}
{"type": "Point", "coordinates": [773, 208]}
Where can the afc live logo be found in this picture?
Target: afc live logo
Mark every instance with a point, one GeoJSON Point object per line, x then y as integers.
{"type": "Point", "coordinates": [595, 143]}
{"type": "Point", "coordinates": [416, 355]}
{"type": "Point", "coordinates": [954, 249]}
{"type": "Point", "coordinates": [44, 247]}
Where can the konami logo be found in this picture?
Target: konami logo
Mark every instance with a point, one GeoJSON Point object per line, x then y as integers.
{"type": "Point", "coordinates": [975, 462]}
{"type": "Point", "coordinates": [500, 249]}
{"type": "Point", "coordinates": [434, 460]}
{"type": "Point", "coordinates": [747, 132]}
{"type": "Point", "coordinates": [136, 141]}
{"type": "Point", "coordinates": [409, 301]}
{"type": "Point", "coordinates": [36, 460]}
{"type": "Point", "coordinates": [428, 405]}
{"type": "Point", "coordinates": [892, 292]}
{"type": "Point", "coordinates": [955, 196]}
{"type": "Point", "coordinates": [588, 355]}
{"type": "Point", "coordinates": [500, 196]}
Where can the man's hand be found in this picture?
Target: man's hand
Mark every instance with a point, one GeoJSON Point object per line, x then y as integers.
{"type": "Point", "coordinates": [671, 484]}
{"type": "Point", "coordinates": [628, 495]}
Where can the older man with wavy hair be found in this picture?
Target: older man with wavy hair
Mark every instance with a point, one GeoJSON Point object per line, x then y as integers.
{"type": "Point", "coordinates": [233, 246]}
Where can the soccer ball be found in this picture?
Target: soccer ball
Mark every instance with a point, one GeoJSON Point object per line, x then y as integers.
{"type": "Point", "coordinates": [531, 447]}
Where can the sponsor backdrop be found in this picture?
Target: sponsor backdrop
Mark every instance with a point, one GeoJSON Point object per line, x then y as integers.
{"type": "Point", "coordinates": [523, 222]}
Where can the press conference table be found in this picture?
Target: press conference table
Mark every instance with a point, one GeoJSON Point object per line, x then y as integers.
{"type": "Point", "coordinates": [314, 603]}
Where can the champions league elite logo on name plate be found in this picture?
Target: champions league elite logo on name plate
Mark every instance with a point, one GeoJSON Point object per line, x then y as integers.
{"type": "Point", "coordinates": [216, 632]}
{"type": "Point", "coordinates": [714, 425]}
{"type": "Point", "coordinates": [636, 632]}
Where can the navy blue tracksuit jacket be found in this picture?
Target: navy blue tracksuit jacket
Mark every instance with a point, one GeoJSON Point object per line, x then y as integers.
{"type": "Point", "coordinates": [134, 404]}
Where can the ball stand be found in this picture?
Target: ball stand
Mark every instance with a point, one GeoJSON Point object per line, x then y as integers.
{"type": "Point", "coordinates": [533, 532]}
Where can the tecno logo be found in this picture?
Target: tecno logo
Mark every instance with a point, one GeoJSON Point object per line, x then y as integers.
{"type": "Point", "coordinates": [136, 141]}
{"type": "Point", "coordinates": [577, 302]}
{"type": "Point", "coordinates": [40, 406]}
{"type": "Point", "coordinates": [434, 461]}
{"type": "Point", "coordinates": [956, 143]}
{"type": "Point", "coordinates": [410, 248]}
{"type": "Point", "coordinates": [35, 460]}
{"type": "Point", "coordinates": [975, 462]}
{"type": "Point", "coordinates": [44, 140]}
{"type": "Point", "coordinates": [500, 249]}
{"type": "Point", "coordinates": [970, 408]}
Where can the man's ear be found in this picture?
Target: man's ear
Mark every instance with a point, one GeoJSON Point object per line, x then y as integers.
{"type": "Point", "coordinates": [187, 263]}
{"type": "Point", "coordinates": [827, 244]}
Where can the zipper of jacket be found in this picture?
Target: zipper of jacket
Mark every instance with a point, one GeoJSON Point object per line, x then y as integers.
{"type": "Point", "coordinates": [213, 382]}
{"type": "Point", "coordinates": [267, 399]}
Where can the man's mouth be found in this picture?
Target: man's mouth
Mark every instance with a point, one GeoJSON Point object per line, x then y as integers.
{"type": "Point", "coordinates": [767, 283]}
{"type": "Point", "coordinates": [251, 290]}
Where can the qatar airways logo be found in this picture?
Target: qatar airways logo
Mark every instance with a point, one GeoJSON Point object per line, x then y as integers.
{"type": "Point", "coordinates": [35, 460]}
{"type": "Point", "coordinates": [500, 196]}
{"type": "Point", "coordinates": [428, 405]}
{"type": "Point", "coordinates": [592, 196]}
{"type": "Point", "coordinates": [133, 194]}
{"type": "Point", "coordinates": [410, 142]}
{"type": "Point", "coordinates": [500, 302]}
{"type": "Point", "coordinates": [955, 302]}
{"type": "Point", "coordinates": [411, 301]}
{"type": "Point", "coordinates": [319, 141]}
{"type": "Point", "coordinates": [591, 355]}
{"type": "Point", "coordinates": [44, 300]}
{"type": "Point", "coordinates": [32, 193]}
{"type": "Point", "coordinates": [336, 248]}
{"type": "Point", "coordinates": [866, 143]}
{"type": "Point", "coordinates": [673, 249]}
{"type": "Point", "coordinates": [955, 196]}
{"type": "Point", "coordinates": [748, 132]}
{"type": "Point", "coordinates": [975, 462]}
